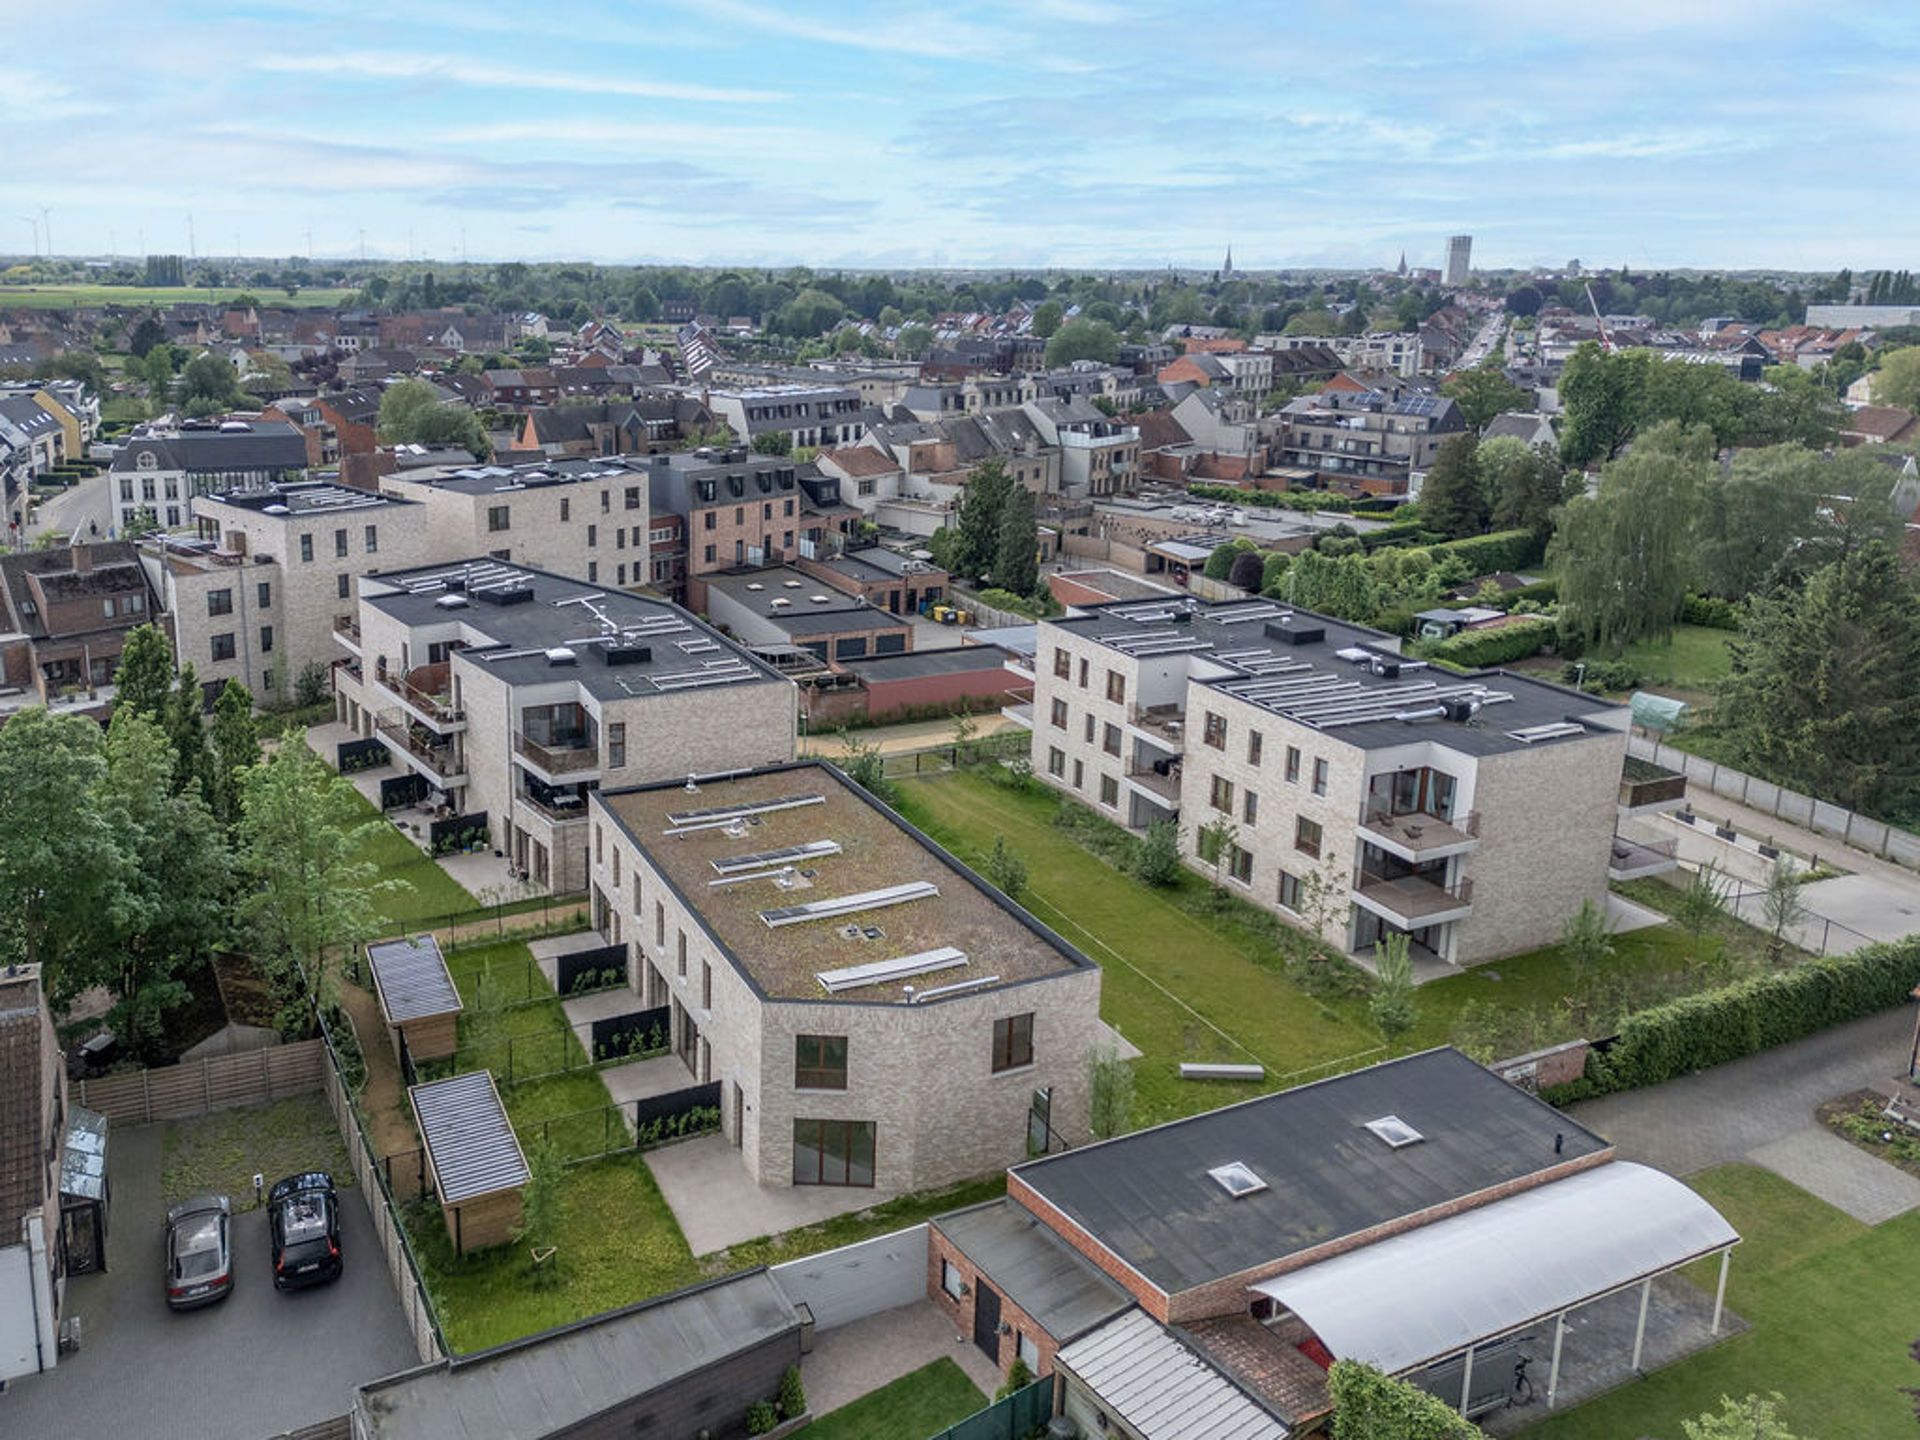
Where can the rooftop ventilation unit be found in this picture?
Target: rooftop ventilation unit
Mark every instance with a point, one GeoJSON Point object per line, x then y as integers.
{"type": "Point", "coordinates": [755, 585]}
{"type": "Point", "coordinates": [1292, 632]}
{"type": "Point", "coordinates": [1237, 1179]}
{"type": "Point", "coordinates": [1395, 1131]}
{"type": "Point", "coordinates": [1460, 707]}
{"type": "Point", "coordinates": [628, 654]}
{"type": "Point", "coordinates": [561, 655]}
{"type": "Point", "coordinates": [849, 904]}
{"type": "Point", "coordinates": [1556, 731]}
{"type": "Point", "coordinates": [818, 599]}
{"type": "Point", "coordinates": [902, 967]}
{"type": "Point", "coordinates": [513, 594]}
{"type": "Point", "coordinates": [720, 814]}
{"type": "Point", "coordinates": [451, 602]}
{"type": "Point", "coordinates": [791, 584]}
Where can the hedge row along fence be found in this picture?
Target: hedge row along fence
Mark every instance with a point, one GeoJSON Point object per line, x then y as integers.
{"type": "Point", "coordinates": [1696, 1032]}
{"type": "Point", "coordinates": [1515, 640]}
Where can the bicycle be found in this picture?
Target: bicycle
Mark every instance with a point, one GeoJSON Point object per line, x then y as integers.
{"type": "Point", "coordinates": [1522, 1386]}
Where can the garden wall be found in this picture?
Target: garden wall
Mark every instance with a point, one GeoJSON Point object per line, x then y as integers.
{"type": "Point", "coordinates": [216, 1082]}
{"type": "Point", "coordinates": [855, 1281]}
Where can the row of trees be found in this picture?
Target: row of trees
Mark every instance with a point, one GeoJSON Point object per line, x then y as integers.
{"type": "Point", "coordinates": [412, 413]}
{"type": "Point", "coordinates": [1500, 484]}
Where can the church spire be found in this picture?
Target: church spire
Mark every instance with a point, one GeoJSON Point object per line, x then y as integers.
{"type": "Point", "coordinates": [1227, 268]}
{"type": "Point", "coordinates": [1403, 262]}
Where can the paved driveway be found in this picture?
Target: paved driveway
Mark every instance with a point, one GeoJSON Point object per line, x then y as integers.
{"type": "Point", "coordinates": [256, 1364]}
{"type": "Point", "coordinates": [1760, 1111]}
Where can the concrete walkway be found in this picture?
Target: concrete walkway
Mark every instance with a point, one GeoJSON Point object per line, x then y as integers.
{"type": "Point", "coordinates": [857, 1359]}
{"type": "Point", "coordinates": [1760, 1111]}
{"type": "Point", "coordinates": [903, 739]}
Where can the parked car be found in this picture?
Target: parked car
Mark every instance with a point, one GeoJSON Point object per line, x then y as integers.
{"type": "Point", "coordinates": [303, 1214]}
{"type": "Point", "coordinates": [199, 1252]}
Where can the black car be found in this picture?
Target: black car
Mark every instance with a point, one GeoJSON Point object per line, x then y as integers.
{"type": "Point", "coordinates": [199, 1252]}
{"type": "Point", "coordinates": [304, 1216]}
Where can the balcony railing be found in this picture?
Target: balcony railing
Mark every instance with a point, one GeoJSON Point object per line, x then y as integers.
{"type": "Point", "coordinates": [441, 759]}
{"type": "Point", "coordinates": [1420, 832]}
{"type": "Point", "coordinates": [347, 625]}
{"type": "Point", "coordinates": [1413, 897]}
{"type": "Point", "coordinates": [558, 807]}
{"type": "Point", "coordinates": [1165, 785]}
{"type": "Point", "coordinates": [439, 705]}
{"type": "Point", "coordinates": [1167, 722]}
{"type": "Point", "coordinates": [558, 759]}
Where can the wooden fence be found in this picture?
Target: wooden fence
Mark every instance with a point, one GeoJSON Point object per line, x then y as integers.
{"type": "Point", "coordinates": [217, 1082]}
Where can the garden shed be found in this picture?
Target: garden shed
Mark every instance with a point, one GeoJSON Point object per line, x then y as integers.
{"type": "Point", "coordinates": [417, 997]}
{"type": "Point", "coordinates": [473, 1158]}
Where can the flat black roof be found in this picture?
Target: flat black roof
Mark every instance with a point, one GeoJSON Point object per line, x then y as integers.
{"type": "Point", "coordinates": [1034, 1268]}
{"type": "Point", "coordinates": [1148, 1197]}
{"type": "Point", "coordinates": [915, 664]}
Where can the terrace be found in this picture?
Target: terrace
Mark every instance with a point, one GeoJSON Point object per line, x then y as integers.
{"type": "Point", "coordinates": [427, 692]}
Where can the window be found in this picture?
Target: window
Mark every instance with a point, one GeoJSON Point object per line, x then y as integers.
{"type": "Point", "coordinates": [343, 586]}
{"type": "Point", "coordinates": [1110, 791]}
{"type": "Point", "coordinates": [1058, 716]}
{"type": "Point", "coordinates": [1250, 808]}
{"type": "Point", "coordinates": [593, 572]}
{"type": "Point", "coordinates": [266, 639]}
{"type": "Point", "coordinates": [620, 538]}
{"type": "Point", "coordinates": [1240, 864]}
{"type": "Point", "coordinates": [633, 497]}
{"type": "Point", "coordinates": [659, 926]}
{"type": "Point", "coordinates": [593, 535]}
{"type": "Point", "coordinates": [1292, 893]}
{"type": "Point", "coordinates": [1215, 733]}
{"type": "Point", "coordinates": [606, 501]}
{"type": "Point", "coordinates": [566, 509]}
{"type": "Point", "coordinates": [219, 602]}
{"type": "Point", "coordinates": [1306, 836]}
{"type": "Point", "coordinates": [616, 744]}
{"type": "Point", "coordinates": [1088, 729]}
{"type": "Point", "coordinates": [682, 937]}
{"type": "Point", "coordinates": [709, 555]}
{"type": "Point", "coordinates": [1253, 747]}
{"type": "Point", "coordinates": [708, 523]}
{"type": "Point", "coordinates": [1012, 1042]}
{"type": "Point", "coordinates": [1079, 775]}
{"type": "Point", "coordinates": [599, 844]}
{"type": "Point", "coordinates": [1083, 674]}
{"type": "Point", "coordinates": [833, 1152]}
{"type": "Point", "coordinates": [306, 550]}
{"type": "Point", "coordinates": [819, 1062]}
{"type": "Point", "coordinates": [499, 518]}
{"type": "Point", "coordinates": [372, 539]}
{"type": "Point", "coordinates": [1056, 761]}
{"type": "Point", "coordinates": [706, 985]}
{"type": "Point", "coordinates": [1293, 764]}
{"type": "Point", "coordinates": [263, 592]}
{"type": "Point", "coordinates": [1221, 795]}
{"type": "Point", "coordinates": [339, 543]}
{"type": "Point", "coordinates": [223, 647]}
{"type": "Point", "coordinates": [1116, 687]}
{"type": "Point", "coordinates": [1320, 768]}
{"type": "Point", "coordinates": [1062, 665]}
{"type": "Point", "coordinates": [1028, 1349]}
{"type": "Point", "coordinates": [1110, 740]}
{"type": "Point", "coordinates": [952, 1282]}
{"type": "Point", "coordinates": [133, 604]}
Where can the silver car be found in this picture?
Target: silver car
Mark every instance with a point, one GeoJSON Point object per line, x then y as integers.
{"type": "Point", "coordinates": [199, 1252]}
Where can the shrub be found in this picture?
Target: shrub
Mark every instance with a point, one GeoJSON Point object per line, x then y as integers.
{"type": "Point", "coordinates": [1694, 1032]}
{"type": "Point", "coordinates": [1712, 612]}
{"type": "Point", "coordinates": [1515, 640]}
{"type": "Point", "coordinates": [760, 1417]}
{"type": "Point", "coordinates": [1018, 1378]}
{"type": "Point", "coordinates": [1368, 1405]}
{"type": "Point", "coordinates": [1273, 499]}
{"type": "Point", "coordinates": [1502, 550]}
{"type": "Point", "coordinates": [1156, 859]}
{"type": "Point", "coordinates": [792, 1399]}
{"type": "Point", "coordinates": [1599, 675]}
{"type": "Point", "coordinates": [1006, 869]}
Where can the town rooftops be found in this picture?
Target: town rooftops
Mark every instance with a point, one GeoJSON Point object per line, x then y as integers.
{"type": "Point", "coordinates": [1347, 680]}
{"type": "Point", "coordinates": [214, 447]}
{"type": "Point", "coordinates": [22, 1099]}
{"type": "Point", "coordinates": [530, 627]}
{"type": "Point", "coordinates": [815, 892]}
{"type": "Point", "coordinates": [492, 479]}
{"type": "Point", "coordinates": [299, 498]}
{"type": "Point", "coordinates": [1234, 1189]}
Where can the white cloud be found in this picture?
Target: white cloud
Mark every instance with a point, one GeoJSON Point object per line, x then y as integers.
{"type": "Point", "coordinates": [385, 65]}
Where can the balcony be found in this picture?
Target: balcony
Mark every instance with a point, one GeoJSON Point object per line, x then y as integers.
{"type": "Point", "coordinates": [572, 759]}
{"type": "Point", "coordinates": [346, 629]}
{"type": "Point", "coordinates": [349, 667]}
{"type": "Point", "coordinates": [427, 693]}
{"type": "Point", "coordinates": [557, 808]}
{"type": "Point", "coordinates": [1413, 901]}
{"type": "Point", "coordinates": [1646, 788]}
{"type": "Point", "coordinates": [1637, 859]}
{"type": "Point", "coordinates": [1417, 836]}
{"type": "Point", "coordinates": [1163, 788]}
{"type": "Point", "coordinates": [1161, 725]}
{"type": "Point", "coordinates": [413, 744]}
{"type": "Point", "coordinates": [1021, 714]}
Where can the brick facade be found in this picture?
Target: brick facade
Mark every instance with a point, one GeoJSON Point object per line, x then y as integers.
{"type": "Point", "coordinates": [960, 1311]}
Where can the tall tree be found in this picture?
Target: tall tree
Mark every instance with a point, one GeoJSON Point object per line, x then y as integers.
{"type": "Point", "coordinates": [1897, 381]}
{"type": "Point", "coordinates": [1752, 514]}
{"type": "Point", "coordinates": [1825, 690]}
{"type": "Point", "coordinates": [1016, 564]}
{"type": "Point", "coordinates": [1524, 484]}
{"type": "Point", "coordinates": [209, 384]}
{"type": "Point", "coordinates": [1484, 392]}
{"type": "Point", "coordinates": [1083, 339]}
{"type": "Point", "coordinates": [977, 543]}
{"type": "Point", "coordinates": [1341, 586]}
{"type": "Point", "coordinates": [1247, 571]}
{"type": "Point", "coordinates": [1624, 552]}
{"type": "Point", "coordinates": [186, 729]}
{"type": "Point", "coordinates": [412, 413]}
{"type": "Point", "coordinates": [236, 747]}
{"type": "Point", "coordinates": [144, 680]}
{"type": "Point", "coordinates": [1046, 318]}
{"type": "Point", "coordinates": [1600, 393]}
{"type": "Point", "coordinates": [1451, 500]}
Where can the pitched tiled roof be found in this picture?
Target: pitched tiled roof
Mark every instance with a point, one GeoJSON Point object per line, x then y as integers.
{"type": "Point", "coordinates": [860, 460]}
{"type": "Point", "coordinates": [1880, 422]}
{"type": "Point", "coordinates": [21, 1163]}
{"type": "Point", "coordinates": [1158, 429]}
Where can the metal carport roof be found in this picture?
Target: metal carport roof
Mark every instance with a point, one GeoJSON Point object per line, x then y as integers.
{"type": "Point", "coordinates": [1161, 1389]}
{"type": "Point", "coordinates": [411, 977]}
{"type": "Point", "coordinates": [1433, 1291]}
{"type": "Point", "coordinates": [468, 1138]}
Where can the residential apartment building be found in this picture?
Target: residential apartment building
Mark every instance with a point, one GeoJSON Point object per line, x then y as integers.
{"type": "Point", "coordinates": [874, 1014]}
{"type": "Point", "coordinates": [587, 518]}
{"type": "Point", "coordinates": [259, 592]}
{"type": "Point", "coordinates": [1459, 259]}
{"type": "Point", "coordinates": [1098, 456]}
{"type": "Point", "coordinates": [72, 405]}
{"type": "Point", "coordinates": [735, 508]}
{"type": "Point", "coordinates": [165, 464]}
{"type": "Point", "coordinates": [514, 694]}
{"type": "Point", "coordinates": [66, 614]}
{"type": "Point", "coordinates": [33, 1119]}
{"type": "Point", "coordinates": [1347, 789]}
{"type": "Point", "coordinates": [809, 415]}
{"type": "Point", "coordinates": [1366, 438]}
{"type": "Point", "coordinates": [31, 443]}
{"type": "Point", "coordinates": [1395, 351]}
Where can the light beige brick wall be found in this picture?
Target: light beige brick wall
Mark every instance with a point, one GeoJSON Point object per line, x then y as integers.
{"type": "Point", "coordinates": [575, 530]}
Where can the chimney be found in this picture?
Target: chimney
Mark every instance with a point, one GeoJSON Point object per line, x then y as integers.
{"type": "Point", "coordinates": [82, 558]}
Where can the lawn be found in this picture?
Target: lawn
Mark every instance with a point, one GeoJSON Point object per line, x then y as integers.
{"type": "Point", "coordinates": [1831, 1305]}
{"type": "Point", "coordinates": [428, 896]}
{"type": "Point", "coordinates": [223, 1151]}
{"type": "Point", "coordinates": [63, 297]}
{"type": "Point", "coordinates": [1690, 663]}
{"type": "Point", "coordinates": [911, 1408]}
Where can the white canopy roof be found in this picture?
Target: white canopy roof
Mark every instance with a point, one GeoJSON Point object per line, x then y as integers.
{"type": "Point", "coordinates": [1433, 1291]}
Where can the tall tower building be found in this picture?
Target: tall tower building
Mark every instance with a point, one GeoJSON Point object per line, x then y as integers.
{"type": "Point", "coordinates": [1459, 259]}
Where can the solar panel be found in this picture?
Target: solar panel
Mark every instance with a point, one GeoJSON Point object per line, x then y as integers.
{"type": "Point", "coordinates": [1546, 732]}
{"type": "Point", "coordinates": [902, 967]}
{"type": "Point", "coordinates": [849, 904]}
{"type": "Point", "coordinates": [720, 814]}
{"type": "Point", "coordinates": [760, 859]}
{"type": "Point", "coordinates": [958, 987]}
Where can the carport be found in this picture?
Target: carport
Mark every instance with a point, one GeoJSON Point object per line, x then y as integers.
{"type": "Point", "coordinates": [1431, 1300]}
{"type": "Point", "coordinates": [474, 1158]}
{"type": "Point", "coordinates": [417, 997]}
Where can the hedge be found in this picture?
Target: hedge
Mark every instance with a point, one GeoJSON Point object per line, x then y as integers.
{"type": "Point", "coordinates": [1712, 612]}
{"type": "Point", "coordinates": [1515, 640]}
{"type": "Point", "coordinates": [1272, 499]}
{"type": "Point", "coordinates": [1399, 534]}
{"type": "Point", "coordinates": [1368, 1405]}
{"type": "Point", "coordinates": [1697, 1031]}
{"type": "Point", "coordinates": [1502, 550]}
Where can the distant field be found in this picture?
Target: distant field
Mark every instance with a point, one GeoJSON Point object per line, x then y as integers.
{"type": "Point", "coordinates": [63, 297]}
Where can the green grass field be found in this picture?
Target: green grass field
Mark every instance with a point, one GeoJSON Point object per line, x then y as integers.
{"type": "Point", "coordinates": [1831, 1305]}
{"type": "Point", "coordinates": [429, 896]}
{"type": "Point", "coordinates": [911, 1408]}
{"type": "Point", "coordinates": [1690, 663]}
{"type": "Point", "coordinates": [66, 297]}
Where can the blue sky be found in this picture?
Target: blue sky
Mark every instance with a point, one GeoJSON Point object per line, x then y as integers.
{"type": "Point", "coordinates": [1005, 132]}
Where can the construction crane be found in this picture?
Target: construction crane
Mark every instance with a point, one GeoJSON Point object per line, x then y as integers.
{"type": "Point", "coordinates": [1599, 324]}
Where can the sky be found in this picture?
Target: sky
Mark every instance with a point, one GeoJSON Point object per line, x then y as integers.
{"type": "Point", "coordinates": [992, 133]}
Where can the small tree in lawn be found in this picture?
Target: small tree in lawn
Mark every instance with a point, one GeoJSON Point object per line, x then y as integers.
{"type": "Point", "coordinates": [1756, 1417]}
{"type": "Point", "coordinates": [1006, 869]}
{"type": "Point", "coordinates": [540, 1213]}
{"type": "Point", "coordinates": [1214, 843]}
{"type": "Point", "coordinates": [1323, 895]}
{"type": "Point", "coordinates": [1156, 859]}
{"type": "Point", "coordinates": [1393, 1007]}
{"type": "Point", "coordinates": [1110, 1093]}
{"type": "Point", "coordinates": [1701, 905]}
{"type": "Point", "coordinates": [965, 728]}
{"type": "Point", "coordinates": [866, 767]}
{"type": "Point", "coordinates": [1585, 945]}
{"type": "Point", "coordinates": [1782, 906]}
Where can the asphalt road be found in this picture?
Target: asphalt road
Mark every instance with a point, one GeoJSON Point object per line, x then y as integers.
{"type": "Point", "coordinates": [256, 1364]}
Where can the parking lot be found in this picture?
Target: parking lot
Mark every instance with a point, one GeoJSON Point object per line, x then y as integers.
{"type": "Point", "coordinates": [254, 1365]}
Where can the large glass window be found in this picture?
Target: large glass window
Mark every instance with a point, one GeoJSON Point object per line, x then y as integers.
{"type": "Point", "coordinates": [820, 1062]}
{"type": "Point", "coordinates": [833, 1152]}
{"type": "Point", "coordinates": [1012, 1042]}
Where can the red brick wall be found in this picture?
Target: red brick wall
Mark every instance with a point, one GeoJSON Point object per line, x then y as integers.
{"type": "Point", "coordinates": [960, 1312]}
{"type": "Point", "coordinates": [979, 686]}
